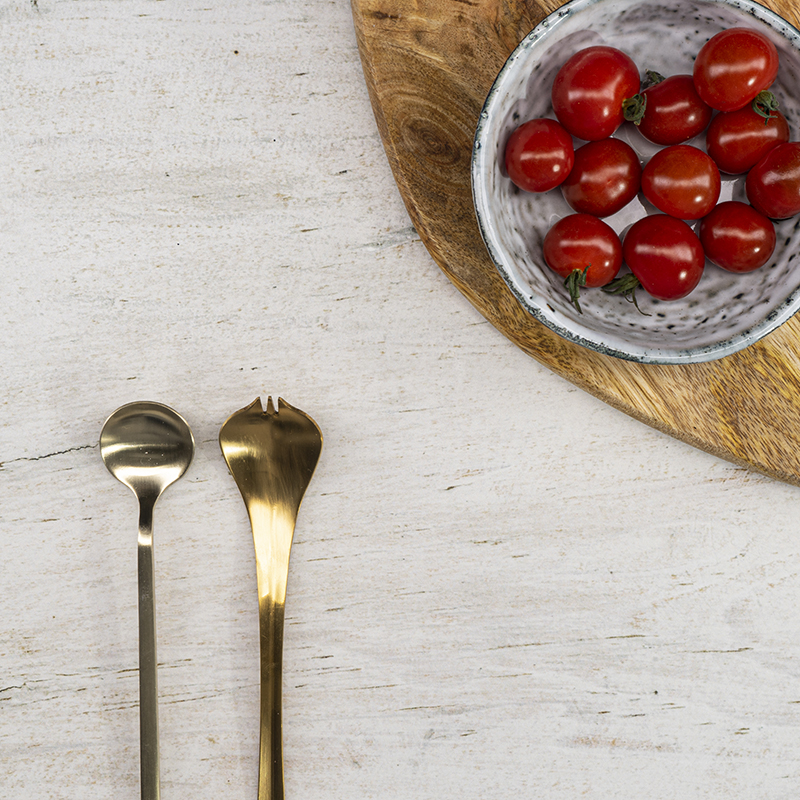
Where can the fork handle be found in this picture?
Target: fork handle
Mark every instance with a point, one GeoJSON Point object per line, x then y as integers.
{"type": "Point", "coordinates": [270, 761]}
{"type": "Point", "coordinates": [148, 684]}
{"type": "Point", "coordinates": [273, 531]}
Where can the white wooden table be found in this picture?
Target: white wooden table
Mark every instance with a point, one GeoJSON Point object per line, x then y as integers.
{"type": "Point", "coordinates": [499, 587]}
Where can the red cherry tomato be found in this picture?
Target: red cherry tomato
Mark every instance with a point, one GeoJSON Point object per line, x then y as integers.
{"type": "Point", "coordinates": [665, 255]}
{"type": "Point", "coordinates": [539, 155]}
{"type": "Point", "coordinates": [737, 238]}
{"type": "Point", "coordinates": [671, 111]}
{"type": "Point", "coordinates": [733, 67]}
{"type": "Point", "coordinates": [737, 140]}
{"type": "Point", "coordinates": [589, 89]}
{"type": "Point", "coordinates": [583, 250]}
{"type": "Point", "coordinates": [773, 185]}
{"type": "Point", "coordinates": [605, 177]}
{"type": "Point", "coordinates": [681, 181]}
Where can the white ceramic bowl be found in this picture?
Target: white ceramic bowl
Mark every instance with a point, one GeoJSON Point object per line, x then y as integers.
{"type": "Point", "coordinates": [726, 312]}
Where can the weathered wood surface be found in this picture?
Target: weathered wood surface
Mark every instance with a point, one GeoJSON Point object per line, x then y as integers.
{"type": "Point", "coordinates": [500, 586]}
{"type": "Point", "coordinates": [428, 65]}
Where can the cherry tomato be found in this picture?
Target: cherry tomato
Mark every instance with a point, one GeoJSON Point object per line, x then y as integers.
{"type": "Point", "coordinates": [665, 255]}
{"type": "Point", "coordinates": [670, 111]}
{"type": "Point", "coordinates": [733, 67]}
{"type": "Point", "coordinates": [589, 89]}
{"type": "Point", "coordinates": [737, 140]}
{"type": "Point", "coordinates": [605, 177]}
{"type": "Point", "coordinates": [736, 237]}
{"type": "Point", "coordinates": [539, 155]}
{"type": "Point", "coordinates": [583, 250]}
{"type": "Point", "coordinates": [681, 181]}
{"type": "Point", "coordinates": [773, 185]}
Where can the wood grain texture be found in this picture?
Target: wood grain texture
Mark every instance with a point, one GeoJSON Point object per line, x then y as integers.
{"type": "Point", "coordinates": [428, 66]}
{"type": "Point", "coordinates": [197, 209]}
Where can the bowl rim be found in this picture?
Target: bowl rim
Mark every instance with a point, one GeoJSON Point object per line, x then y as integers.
{"type": "Point", "coordinates": [538, 307]}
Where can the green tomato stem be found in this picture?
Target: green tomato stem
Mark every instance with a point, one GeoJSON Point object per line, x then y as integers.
{"type": "Point", "coordinates": [766, 105]}
{"type": "Point", "coordinates": [574, 281]}
{"type": "Point", "coordinates": [626, 286]}
{"type": "Point", "coordinates": [653, 77]}
{"type": "Point", "coordinates": [633, 108]}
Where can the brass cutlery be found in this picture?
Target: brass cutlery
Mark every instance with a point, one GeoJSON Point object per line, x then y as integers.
{"type": "Point", "coordinates": [271, 455]}
{"type": "Point", "coordinates": [147, 446]}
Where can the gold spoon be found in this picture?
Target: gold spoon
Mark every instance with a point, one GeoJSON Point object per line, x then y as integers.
{"type": "Point", "coordinates": [271, 455]}
{"type": "Point", "coordinates": [147, 446]}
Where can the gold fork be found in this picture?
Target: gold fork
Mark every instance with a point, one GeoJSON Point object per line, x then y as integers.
{"type": "Point", "coordinates": [272, 456]}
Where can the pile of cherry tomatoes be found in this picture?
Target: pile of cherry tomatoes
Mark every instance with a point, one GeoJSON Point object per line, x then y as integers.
{"type": "Point", "coordinates": [593, 94]}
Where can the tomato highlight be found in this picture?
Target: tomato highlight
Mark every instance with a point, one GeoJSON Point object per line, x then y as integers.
{"type": "Point", "coordinates": [605, 177]}
{"type": "Point", "coordinates": [539, 155]}
{"type": "Point", "coordinates": [737, 238]}
{"type": "Point", "coordinates": [682, 181]}
{"type": "Point", "coordinates": [733, 67]}
{"type": "Point", "coordinates": [665, 255]}
{"type": "Point", "coordinates": [738, 140]}
{"type": "Point", "coordinates": [583, 250]}
{"type": "Point", "coordinates": [773, 185]}
{"type": "Point", "coordinates": [670, 111]}
{"type": "Point", "coordinates": [589, 90]}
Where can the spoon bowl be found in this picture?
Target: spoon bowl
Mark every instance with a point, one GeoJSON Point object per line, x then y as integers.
{"type": "Point", "coordinates": [146, 446]}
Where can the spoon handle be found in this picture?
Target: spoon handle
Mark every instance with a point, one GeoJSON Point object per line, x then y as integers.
{"type": "Point", "coordinates": [148, 684]}
{"type": "Point", "coordinates": [272, 536]}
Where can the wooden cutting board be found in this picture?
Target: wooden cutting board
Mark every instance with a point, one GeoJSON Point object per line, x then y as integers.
{"type": "Point", "coordinates": [428, 66]}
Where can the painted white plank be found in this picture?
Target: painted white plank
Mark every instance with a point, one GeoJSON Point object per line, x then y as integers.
{"type": "Point", "coordinates": [499, 586]}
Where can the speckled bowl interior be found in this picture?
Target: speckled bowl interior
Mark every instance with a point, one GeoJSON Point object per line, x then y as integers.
{"type": "Point", "coordinates": [726, 312]}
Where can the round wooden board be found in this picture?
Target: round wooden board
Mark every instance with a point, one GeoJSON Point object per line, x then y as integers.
{"type": "Point", "coordinates": [428, 66]}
